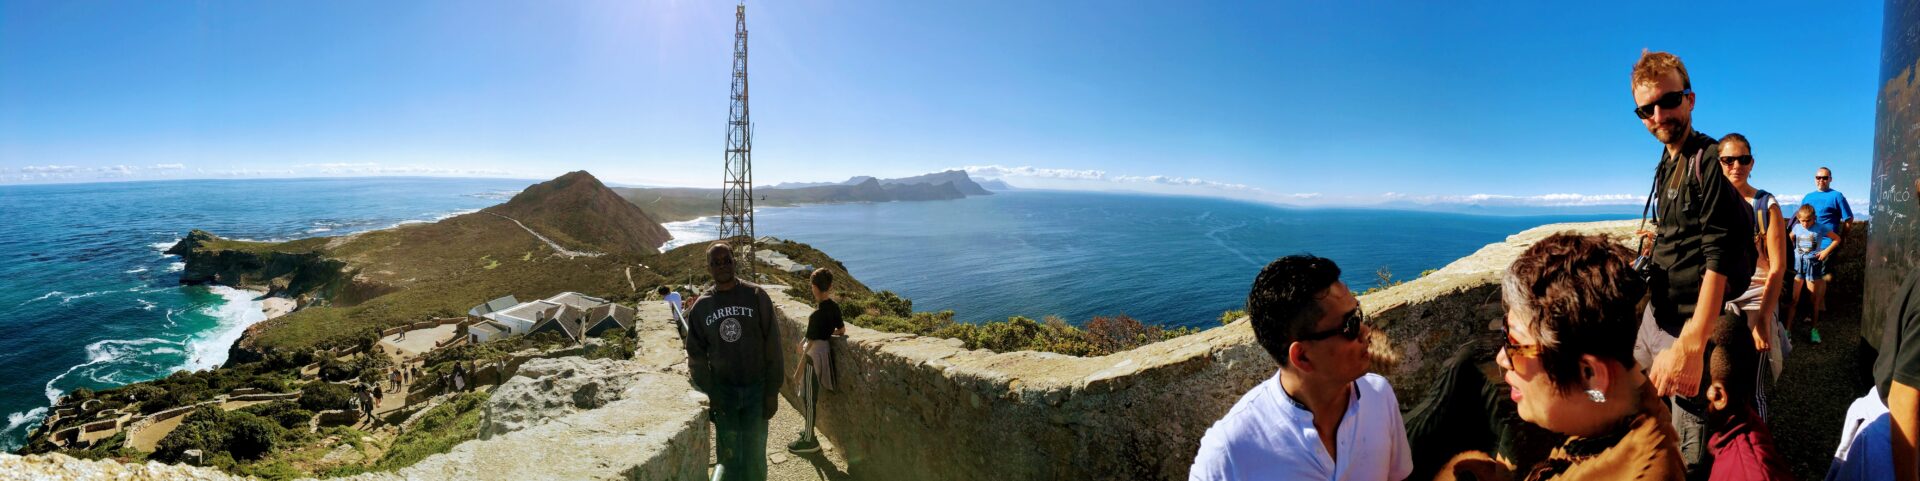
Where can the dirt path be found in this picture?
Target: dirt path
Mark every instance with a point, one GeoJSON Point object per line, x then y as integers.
{"type": "Point", "coordinates": [827, 464]}
{"type": "Point", "coordinates": [550, 243]}
{"type": "Point", "coordinates": [1809, 402]}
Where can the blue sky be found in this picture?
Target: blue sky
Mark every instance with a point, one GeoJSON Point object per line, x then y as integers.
{"type": "Point", "coordinates": [1303, 102]}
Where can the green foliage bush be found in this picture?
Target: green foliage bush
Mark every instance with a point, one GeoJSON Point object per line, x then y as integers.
{"type": "Point", "coordinates": [325, 396]}
{"type": "Point", "coordinates": [1232, 315]}
{"type": "Point", "coordinates": [215, 431]}
{"type": "Point", "coordinates": [287, 414]}
{"type": "Point", "coordinates": [885, 311]}
{"type": "Point", "coordinates": [436, 431]}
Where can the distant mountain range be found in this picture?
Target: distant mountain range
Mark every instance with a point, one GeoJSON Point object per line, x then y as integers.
{"type": "Point", "coordinates": [678, 204]}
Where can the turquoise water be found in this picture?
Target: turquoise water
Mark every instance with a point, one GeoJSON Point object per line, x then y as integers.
{"type": "Point", "coordinates": [1176, 261]}
{"type": "Point", "coordinates": [88, 299]}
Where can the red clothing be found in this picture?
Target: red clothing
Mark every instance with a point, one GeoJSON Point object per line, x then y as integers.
{"type": "Point", "coordinates": [1743, 450]}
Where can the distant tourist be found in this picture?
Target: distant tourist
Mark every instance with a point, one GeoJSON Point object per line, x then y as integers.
{"type": "Point", "coordinates": [734, 355]}
{"type": "Point", "coordinates": [1322, 416]}
{"type": "Point", "coordinates": [1810, 262]}
{"type": "Point", "coordinates": [674, 309]}
{"type": "Point", "coordinates": [816, 351]}
{"type": "Point", "coordinates": [1764, 294]}
{"type": "Point", "coordinates": [1702, 251]}
{"type": "Point", "coordinates": [1571, 326]}
{"type": "Point", "coordinates": [1881, 437]}
{"type": "Point", "coordinates": [1832, 212]}
{"type": "Point", "coordinates": [1741, 444]}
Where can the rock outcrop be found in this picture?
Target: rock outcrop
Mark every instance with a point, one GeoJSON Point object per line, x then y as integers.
{"type": "Point", "coordinates": [60, 467]}
{"type": "Point", "coordinates": [283, 270]}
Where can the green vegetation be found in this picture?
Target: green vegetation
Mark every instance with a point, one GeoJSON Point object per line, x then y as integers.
{"type": "Point", "coordinates": [437, 431]}
{"type": "Point", "coordinates": [325, 396]}
{"type": "Point", "coordinates": [222, 437]}
{"type": "Point", "coordinates": [1232, 315]}
{"type": "Point", "coordinates": [1102, 335]}
{"type": "Point", "coordinates": [287, 414]}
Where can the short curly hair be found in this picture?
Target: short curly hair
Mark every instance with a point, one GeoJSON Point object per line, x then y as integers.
{"type": "Point", "coordinates": [1579, 295]}
{"type": "Point", "coordinates": [1654, 65]}
{"type": "Point", "coordinates": [1285, 300]}
{"type": "Point", "coordinates": [821, 278]}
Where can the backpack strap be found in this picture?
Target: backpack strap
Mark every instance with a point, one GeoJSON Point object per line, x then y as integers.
{"type": "Point", "coordinates": [1761, 202]}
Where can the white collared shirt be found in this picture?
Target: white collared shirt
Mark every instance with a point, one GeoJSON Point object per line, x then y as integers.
{"type": "Point", "coordinates": [1267, 435]}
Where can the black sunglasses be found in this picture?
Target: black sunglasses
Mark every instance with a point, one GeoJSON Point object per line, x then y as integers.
{"type": "Point", "coordinates": [1822, 177]}
{"type": "Point", "coordinates": [1349, 327]}
{"type": "Point", "coordinates": [720, 261]}
{"type": "Point", "coordinates": [1669, 101]}
{"type": "Point", "coordinates": [1736, 159]}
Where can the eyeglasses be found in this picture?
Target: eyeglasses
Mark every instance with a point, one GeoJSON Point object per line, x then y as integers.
{"type": "Point", "coordinates": [1514, 348]}
{"type": "Point", "coordinates": [1668, 101]}
{"type": "Point", "coordinates": [1736, 159]}
{"type": "Point", "coordinates": [1823, 177]}
{"type": "Point", "coordinates": [1349, 327]}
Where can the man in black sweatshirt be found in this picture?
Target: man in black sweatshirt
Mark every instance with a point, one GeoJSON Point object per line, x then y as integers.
{"type": "Point", "coordinates": [733, 354]}
{"type": "Point", "coordinates": [1702, 251]}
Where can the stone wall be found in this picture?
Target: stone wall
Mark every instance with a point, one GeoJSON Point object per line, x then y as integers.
{"type": "Point", "coordinates": [913, 407]}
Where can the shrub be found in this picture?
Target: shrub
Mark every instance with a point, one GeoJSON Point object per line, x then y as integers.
{"type": "Point", "coordinates": [287, 414]}
{"type": "Point", "coordinates": [436, 431]}
{"type": "Point", "coordinates": [325, 396]}
{"type": "Point", "coordinates": [1232, 315]}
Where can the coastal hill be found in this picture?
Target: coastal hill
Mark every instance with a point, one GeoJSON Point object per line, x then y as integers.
{"type": "Point", "coordinates": [570, 233]}
{"type": "Point", "coordinates": [672, 204]}
{"type": "Point", "coordinates": [576, 209]}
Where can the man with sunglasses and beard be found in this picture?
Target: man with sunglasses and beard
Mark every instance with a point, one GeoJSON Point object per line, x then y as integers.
{"type": "Point", "coordinates": [1322, 416]}
{"type": "Point", "coordinates": [733, 355]}
{"type": "Point", "coordinates": [1702, 251]}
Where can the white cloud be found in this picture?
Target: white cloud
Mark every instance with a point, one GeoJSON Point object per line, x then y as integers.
{"type": "Point", "coordinates": [1096, 175]}
{"type": "Point", "coordinates": [1029, 171]}
{"type": "Point", "coordinates": [1542, 200]}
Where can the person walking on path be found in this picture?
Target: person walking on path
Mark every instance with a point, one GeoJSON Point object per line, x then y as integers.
{"type": "Point", "coordinates": [1832, 211]}
{"type": "Point", "coordinates": [1810, 262]}
{"type": "Point", "coordinates": [816, 354]}
{"type": "Point", "coordinates": [1761, 301]}
{"type": "Point", "coordinates": [734, 356]}
{"type": "Point", "coordinates": [1702, 250]}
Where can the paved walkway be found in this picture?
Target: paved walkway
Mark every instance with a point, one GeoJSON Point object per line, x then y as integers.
{"type": "Point", "coordinates": [550, 243]}
{"type": "Point", "coordinates": [412, 344]}
{"type": "Point", "coordinates": [827, 464]}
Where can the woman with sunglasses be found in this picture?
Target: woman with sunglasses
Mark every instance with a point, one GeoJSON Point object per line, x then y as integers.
{"type": "Point", "coordinates": [1761, 300]}
{"type": "Point", "coordinates": [1570, 329]}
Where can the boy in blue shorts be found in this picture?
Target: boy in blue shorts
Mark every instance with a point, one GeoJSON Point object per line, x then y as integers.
{"type": "Point", "coordinates": [1809, 263]}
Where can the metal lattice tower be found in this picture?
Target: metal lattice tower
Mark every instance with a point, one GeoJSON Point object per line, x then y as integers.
{"type": "Point", "coordinates": [736, 199]}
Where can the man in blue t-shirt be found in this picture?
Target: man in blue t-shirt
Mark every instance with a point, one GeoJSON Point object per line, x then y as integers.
{"type": "Point", "coordinates": [1829, 206]}
{"type": "Point", "coordinates": [1830, 210]}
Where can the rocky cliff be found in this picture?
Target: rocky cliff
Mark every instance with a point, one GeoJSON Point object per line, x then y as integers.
{"type": "Point", "coordinates": [288, 270]}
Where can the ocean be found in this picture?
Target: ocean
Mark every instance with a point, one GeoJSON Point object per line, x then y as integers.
{"type": "Point", "coordinates": [1171, 261]}
{"type": "Point", "coordinates": [89, 299]}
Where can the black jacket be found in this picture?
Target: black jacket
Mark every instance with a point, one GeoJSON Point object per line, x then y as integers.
{"type": "Point", "coordinates": [1703, 225]}
{"type": "Point", "coordinates": [734, 340]}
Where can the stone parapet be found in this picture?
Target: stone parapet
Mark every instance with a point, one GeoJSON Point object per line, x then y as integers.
{"type": "Point", "coordinates": [911, 407]}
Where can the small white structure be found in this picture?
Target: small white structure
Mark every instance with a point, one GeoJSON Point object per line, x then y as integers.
{"type": "Point", "coordinates": [567, 312]}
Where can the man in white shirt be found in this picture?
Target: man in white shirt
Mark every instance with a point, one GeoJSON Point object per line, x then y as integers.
{"type": "Point", "coordinates": [1322, 416]}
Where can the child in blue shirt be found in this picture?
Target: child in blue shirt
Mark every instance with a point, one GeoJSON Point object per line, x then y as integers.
{"type": "Point", "coordinates": [1810, 263]}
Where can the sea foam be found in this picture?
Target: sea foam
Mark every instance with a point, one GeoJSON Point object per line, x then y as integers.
{"type": "Point", "coordinates": [239, 311]}
{"type": "Point", "coordinates": [691, 232]}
